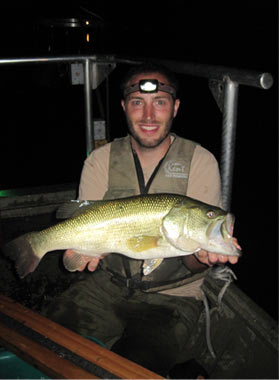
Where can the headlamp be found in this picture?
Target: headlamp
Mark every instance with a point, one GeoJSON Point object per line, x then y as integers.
{"type": "Point", "coordinates": [149, 86]}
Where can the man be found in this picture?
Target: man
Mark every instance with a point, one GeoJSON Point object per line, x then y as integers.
{"type": "Point", "coordinates": [146, 318]}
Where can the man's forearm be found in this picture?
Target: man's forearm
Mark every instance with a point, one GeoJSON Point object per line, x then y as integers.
{"type": "Point", "coordinates": [193, 264]}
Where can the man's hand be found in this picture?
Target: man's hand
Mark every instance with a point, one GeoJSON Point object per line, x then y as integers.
{"type": "Point", "coordinates": [86, 261]}
{"type": "Point", "coordinates": [211, 258]}
{"type": "Point", "coordinates": [199, 261]}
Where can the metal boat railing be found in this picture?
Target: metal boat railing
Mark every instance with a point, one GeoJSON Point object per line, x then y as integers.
{"type": "Point", "coordinates": [223, 81]}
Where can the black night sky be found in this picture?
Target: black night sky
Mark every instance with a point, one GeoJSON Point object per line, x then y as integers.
{"type": "Point", "coordinates": [42, 135]}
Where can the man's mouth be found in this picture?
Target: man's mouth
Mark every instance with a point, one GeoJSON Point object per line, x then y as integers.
{"type": "Point", "coordinates": [149, 127]}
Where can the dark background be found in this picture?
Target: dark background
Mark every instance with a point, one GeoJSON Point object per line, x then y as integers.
{"type": "Point", "coordinates": [42, 134]}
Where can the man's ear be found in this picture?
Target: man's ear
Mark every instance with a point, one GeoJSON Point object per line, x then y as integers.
{"type": "Point", "coordinates": [123, 105]}
{"type": "Point", "coordinates": [176, 106]}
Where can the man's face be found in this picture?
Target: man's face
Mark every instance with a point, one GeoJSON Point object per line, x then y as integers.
{"type": "Point", "coordinates": [149, 116]}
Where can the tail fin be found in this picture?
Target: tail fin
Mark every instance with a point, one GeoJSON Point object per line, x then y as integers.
{"type": "Point", "coordinates": [21, 251]}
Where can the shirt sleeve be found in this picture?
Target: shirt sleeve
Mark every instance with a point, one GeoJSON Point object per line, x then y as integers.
{"type": "Point", "coordinates": [94, 176]}
{"type": "Point", "coordinates": [204, 179]}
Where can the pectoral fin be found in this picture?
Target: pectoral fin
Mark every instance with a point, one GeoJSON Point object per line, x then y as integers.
{"type": "Point", "coordinates": [150, 264]}
{"type": "Point", "coordinates": [142, 243]}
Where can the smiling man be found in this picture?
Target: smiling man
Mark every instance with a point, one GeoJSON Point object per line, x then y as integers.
{"type": "Point", "coordinates": [150, 114]}
{"type": "Point", "coordinates": [147, 318]}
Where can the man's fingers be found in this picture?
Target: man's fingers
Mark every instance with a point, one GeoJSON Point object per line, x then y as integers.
{"type": "Point", "coordinates": [214, 258]}
{"type": "Point", "coordinates": [93, 263]}
{"type": "Point", "coordinates": [83, 260]}
{"type": "Point", "coordinates": [211, 258]}
{"type": "Point", "coordinates": [81, 267]}
{"type": "Point", "coordinates": [233, 259]}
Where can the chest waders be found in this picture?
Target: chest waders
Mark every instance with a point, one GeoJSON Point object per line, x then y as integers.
{"type": "Point", "coordinates": [126, 178]}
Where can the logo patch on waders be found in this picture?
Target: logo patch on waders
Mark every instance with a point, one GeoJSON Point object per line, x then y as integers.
{"type": "Point", "coordinates": [175, 169]}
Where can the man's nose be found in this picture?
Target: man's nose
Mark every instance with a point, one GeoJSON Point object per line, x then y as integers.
{"type": "Point", "coordinates": [148, 111]}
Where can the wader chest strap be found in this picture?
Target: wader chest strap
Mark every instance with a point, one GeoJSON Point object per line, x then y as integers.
{"type": "Point", "coordinates": [135, 282]}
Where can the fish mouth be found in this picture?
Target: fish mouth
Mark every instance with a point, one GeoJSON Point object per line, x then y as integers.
{"type": "Point", "coordinates": [220, 236]}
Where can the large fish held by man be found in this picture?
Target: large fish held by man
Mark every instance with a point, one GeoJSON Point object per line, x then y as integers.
{"type": "Point", "coordinates": [145, 227]}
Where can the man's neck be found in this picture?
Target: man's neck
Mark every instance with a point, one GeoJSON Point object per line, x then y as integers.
{"type": "Point", "coordinates": [149, 156]}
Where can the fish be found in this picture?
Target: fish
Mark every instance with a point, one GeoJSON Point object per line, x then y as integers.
{"type": "Point", "coordinates": [148, 227]}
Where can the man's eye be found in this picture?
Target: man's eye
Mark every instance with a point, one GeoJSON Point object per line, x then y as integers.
{"type": "Point", "coordinates": [161, 102]}
{"type": "Point", "coordinates": [136, 102]}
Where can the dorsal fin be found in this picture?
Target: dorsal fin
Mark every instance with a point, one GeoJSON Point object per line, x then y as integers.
{"type": "Point", "coordinates": [73, 208]}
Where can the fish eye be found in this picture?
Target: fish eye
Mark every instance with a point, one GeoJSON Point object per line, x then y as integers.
{"type": "Point", "coordinates": [210, 214]}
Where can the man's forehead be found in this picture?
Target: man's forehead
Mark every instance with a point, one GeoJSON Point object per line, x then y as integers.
{"type": "Point", "coordinates": [136, 78]}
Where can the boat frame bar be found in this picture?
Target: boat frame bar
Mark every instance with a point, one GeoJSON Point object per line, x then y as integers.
{"type": "Point", "coordinates": [223, 81]}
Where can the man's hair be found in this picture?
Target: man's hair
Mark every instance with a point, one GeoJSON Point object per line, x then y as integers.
{"type": "Point", "coordinates": [148, 68]}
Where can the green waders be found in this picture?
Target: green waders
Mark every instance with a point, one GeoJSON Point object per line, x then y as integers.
{"type": "Point", "coordinates": [154, 328]}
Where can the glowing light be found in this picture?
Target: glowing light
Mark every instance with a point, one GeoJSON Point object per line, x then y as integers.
{"type": "Point", "coordinates": [87, 37]}
{"type": "Point", "coordinates": [148, 86]}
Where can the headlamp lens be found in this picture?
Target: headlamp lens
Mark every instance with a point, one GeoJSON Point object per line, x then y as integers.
{"type": "Point", "coordinates": [147, 85]}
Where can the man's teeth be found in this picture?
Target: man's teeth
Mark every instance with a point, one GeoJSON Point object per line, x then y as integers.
{"type": "Point", "coordinates": [148, 128]}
